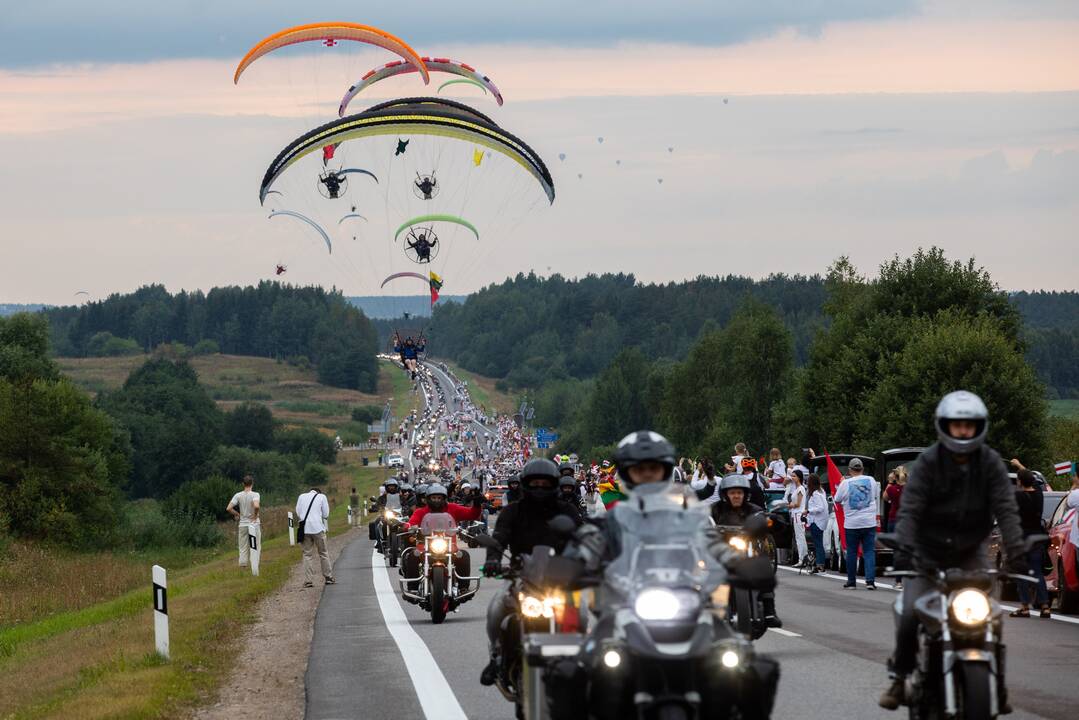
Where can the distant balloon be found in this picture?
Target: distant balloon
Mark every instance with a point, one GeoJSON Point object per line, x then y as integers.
{"type": "Point", "coordinates": [561, 156]}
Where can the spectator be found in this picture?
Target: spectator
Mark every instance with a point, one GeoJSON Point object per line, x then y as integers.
{"type": "Point", "coordinates": [797, 505]}
{"type": "Point", "coordinates": [893, 493]}
{"type": "Point", "coordinates": [817, 514]}
{"type": "Point", "coordinates": [244, 506]}
{"type": "Point", "coordinates": [736, 459]}
{"type": "Point", "coordinates": [704, 482]}
{"type": "Point", "coordinates": [1029, 498]}
{"type": "Point", "coordinates": [776, 472]}
{"type": "Point", "coordinates": [313, 510]}
{"type": "Point", "coordinates": [354, 503]}
{"type": "Point", "coordinates": [859, 494]}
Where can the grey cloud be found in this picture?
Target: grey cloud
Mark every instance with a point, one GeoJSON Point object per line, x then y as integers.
{"type": "Point", "coordinates": [120, 30]}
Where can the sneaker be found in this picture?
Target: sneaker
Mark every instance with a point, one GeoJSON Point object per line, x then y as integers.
{"type": "Point", "coordinates": [309, 584]}
{"type": "Point", "coordinates": [894, 696]}
{"type": "Point", "coordinates": [870, 586]}
{"type": "Point", "coordinates": [490, 673]}
{"type": "Point", "coordinates": [815, 571]}
{"type": "Point", "coordinates": [848, 586]}
{"type": "Point", "coordinates": [331, 581]}
{"type": "Point", "coordinates": [772, 621]}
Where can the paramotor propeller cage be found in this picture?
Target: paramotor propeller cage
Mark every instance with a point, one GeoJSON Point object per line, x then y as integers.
{"type": "Point", "coordinates": [425, 187]}
{"type": "Point", "coordinates": [416, 236]}
{"type": "Point", "coordinates": [324, 190]}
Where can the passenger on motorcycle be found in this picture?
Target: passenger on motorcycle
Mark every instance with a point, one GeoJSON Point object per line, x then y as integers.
{"type": "Point", "coordinates": [734, 509]}
{"type": "Point", "coordinates": [568, 492]}
{"type": "Point", "coordinates": [389, 500]}
{"type": "Point", "coordinates": [521, 526]}
{"type": "Point", "coordinates": [437, 503]}
{"type": "Point", "coordinates": [955, 490]}
{"type": "Point", "coordinates": [513, 490]}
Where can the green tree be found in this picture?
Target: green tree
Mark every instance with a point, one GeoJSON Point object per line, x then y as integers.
{"type": "Point", "coordinates": [306, 443]}
{"type": "Point", "coordinates": [174, 425]}
{"type": "Point", "coordinates": [250, 425]}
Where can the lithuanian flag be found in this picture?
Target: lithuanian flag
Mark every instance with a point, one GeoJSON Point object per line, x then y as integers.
{"type": "Point", "coordinates": [436, 285]}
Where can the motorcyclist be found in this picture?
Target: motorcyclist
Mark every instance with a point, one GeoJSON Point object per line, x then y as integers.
{"type": "Point", "coordinates": [438, 502]}
{"type": "Point", "coordinates": [566, 469]}
{"type": "Point", "coordinates": [513, 490]}
{"type": "Point", "coordinates": [421, 496]}
{"type": "Point", "coordinates": [567, 491]}
{"type": "Point", "coordinates": [735, 508]}
{"type": "Point", "coordinates": [956, 488]}
{"type": "Point", "coordinates": [408, 498]}
{"type": "Point", "coordinates": [389, 500]}
{"type": "Point", "coordinates": [521, 526]}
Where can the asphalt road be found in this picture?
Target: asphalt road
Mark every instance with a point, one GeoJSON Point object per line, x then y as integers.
{"type": "Point", "coordinates": [374, 656]}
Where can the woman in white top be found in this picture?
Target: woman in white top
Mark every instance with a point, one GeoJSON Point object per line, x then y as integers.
{"type": "Point", "coordinates": [817, 515]}
{"type": "Point", "coordinates": [797, 505]}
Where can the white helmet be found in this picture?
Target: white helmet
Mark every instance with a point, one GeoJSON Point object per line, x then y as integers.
{"type": "Point", "coordinates": [962, 405]}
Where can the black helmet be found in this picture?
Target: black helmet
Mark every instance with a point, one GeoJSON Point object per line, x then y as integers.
{"type": "Point", "coordinates": [436, 498]}
{"type": "Point", "coordinates": [567, 481]}
{"type": "Point", "coordinates": [640, 447]}
{"type": "Point", "coordinates": [962, 405]}
{"type": "Point", "coordinates": [421, 489]}
{"type": "Point", "coordinates": [566, 468]}
{"type": "Point", "coordinates": [539, 468]}
{"type": "Point", "coordinates": [514, 478]}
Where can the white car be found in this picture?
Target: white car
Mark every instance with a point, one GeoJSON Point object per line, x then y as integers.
{"type": "Point", "coordinates": [395, 460]}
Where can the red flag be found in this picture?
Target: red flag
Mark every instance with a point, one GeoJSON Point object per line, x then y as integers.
{"type": "Point", "coordinates": [834, 478]}
{"type": "Point", "coordinates": [327, 152]}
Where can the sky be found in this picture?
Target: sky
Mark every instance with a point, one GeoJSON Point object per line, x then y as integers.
{"type": "Point", "coordinates": [750, 137]}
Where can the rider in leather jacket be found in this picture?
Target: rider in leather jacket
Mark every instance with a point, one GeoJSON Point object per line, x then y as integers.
{"type": "Point", "coordinates": [956, 488]}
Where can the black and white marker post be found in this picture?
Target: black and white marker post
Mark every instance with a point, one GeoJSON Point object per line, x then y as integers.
{"type": "Point", "coordinates": [254, 542]}
{"type": "Point", "coordinates": [161, 612]}
{"type": "Point", "coordinates": [291, 529]}
{"type": "Point", "coordinates": [350, 516]}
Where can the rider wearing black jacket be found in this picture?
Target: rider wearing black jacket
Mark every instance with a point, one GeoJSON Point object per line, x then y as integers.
{"type": "Point", "coordinates": [956, 489]}
{"type": "Point", "coordinates": [520, 527]}
{"type": "Point", "coordinates": [734, 509]}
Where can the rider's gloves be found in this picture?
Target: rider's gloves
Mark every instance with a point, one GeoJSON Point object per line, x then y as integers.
{"type": "Point", "coordinates": [492, 569]}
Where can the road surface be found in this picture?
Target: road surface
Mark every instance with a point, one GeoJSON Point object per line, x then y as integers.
{"type": "Point", "coordinates": [374, 656]}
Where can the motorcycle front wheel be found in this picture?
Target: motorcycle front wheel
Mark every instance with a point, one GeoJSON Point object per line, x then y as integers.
{"type": "Point", "coordinates": [438, 594]}
{"type": "Point", "coordinates": [393, 551]}
{"type": "Point", "coordinates": [973, 680]}
{"type": "Point", "coordinates": [743, 612]}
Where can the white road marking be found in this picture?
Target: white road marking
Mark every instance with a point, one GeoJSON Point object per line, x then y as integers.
{"type": "Point", "coordinates": [436, 698]}
{"type": "Point", "coordinates": [887, 586]}
{"type": "Point", "coordinates": [785, 633]}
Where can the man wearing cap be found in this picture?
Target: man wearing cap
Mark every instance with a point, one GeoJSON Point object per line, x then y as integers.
{"type": "Point", "coordinates": [858, 494]}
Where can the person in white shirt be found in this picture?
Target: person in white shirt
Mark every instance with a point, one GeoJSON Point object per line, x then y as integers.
{"type": "Point", "coordinates": [796, 502]}
{"type": "Point", "coordinates": [817, 514]}
{"type": "Point", "coordinates": [705, 482]}
{"type": "Point", "coordinates": [859, 494]}
{"type": "Point", "coordinates": [244, 506]}
{"type": "Point", "coordinates": [776, 472]}
{"type": "Point", "coordinates": [313, 506]}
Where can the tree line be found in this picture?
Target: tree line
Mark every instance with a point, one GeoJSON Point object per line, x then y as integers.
{"type": "Point", "coordinates": [530, 331]}
{"type": "Point", "coordinates": [69, 464]}
{"type": "Point", "coordinates": [888, 347]}
{"type": "Point", "coordinates": [304, 324]}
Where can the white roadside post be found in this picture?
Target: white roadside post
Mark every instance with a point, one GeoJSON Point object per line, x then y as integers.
{"type": "Point", "coordinates": [161, 612]}
{"type": "Point", "coordinates": [254, 542]}
{"type": "Point", "coordinates": [350, 516]}
{"type": "Point", "coordinates": [291, 529]}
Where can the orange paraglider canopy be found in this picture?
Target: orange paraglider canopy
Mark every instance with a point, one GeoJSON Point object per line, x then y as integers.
{"type": "Point", "coordinates": [331, 32]}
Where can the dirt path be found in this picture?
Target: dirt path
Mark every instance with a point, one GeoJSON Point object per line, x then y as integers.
{"type": "Point", "coordinates": [269, 677]}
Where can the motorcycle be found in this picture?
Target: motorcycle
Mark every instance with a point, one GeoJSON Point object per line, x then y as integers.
{"type": "Point", "coordinates": [469, 529]}
{"type": "Point", "coordinates": [439, 588]}
{"type": "Point", "coordinates": [658, 645]}
{"type": "Point", "coordinates": [960, 671]}
{"type": "Point", "coordinates": [388, 528]}
{"type": "Point", "coordinates": [751, 540]}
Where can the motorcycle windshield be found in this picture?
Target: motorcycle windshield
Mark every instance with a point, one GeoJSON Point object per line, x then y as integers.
{"type": "Point", "coordinates": [663, 543]}
{"type": "Point", "coordinates": [438, 523]}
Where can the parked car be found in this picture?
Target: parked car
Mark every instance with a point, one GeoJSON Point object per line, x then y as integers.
{"type": "Point", "coordinates": [494, 494]}
{"type": "Point", "coordinates": [887, 461]}
{"type": "Point", "coordinates": [1063, 579]}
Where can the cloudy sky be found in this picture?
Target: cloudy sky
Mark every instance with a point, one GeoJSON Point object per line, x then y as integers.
{"type": "Point", "coordinates": [801, 130]}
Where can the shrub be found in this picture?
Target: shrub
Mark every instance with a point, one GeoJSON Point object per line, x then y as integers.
{"type": "Point", "coordinates": [277, 476]}
{"type": "Point", "coordinates": [307, 443]}
{"type": "Point", "coordinates": [366, 413]}
{"type": "Point", "coordinates": [206, 347]}
{"type": "Point", "coordinates": [315, 475]}
{"type": "Point", "coordinates": [353, 433]}
{"type": "Point", "coordinates": [105, 344]}
{"type": "Point", "coordinates": [157, 529]}
{"type": "Point", "coordinates": [250, 425]}
{"type": "Point", "coordinates": [206, 496]}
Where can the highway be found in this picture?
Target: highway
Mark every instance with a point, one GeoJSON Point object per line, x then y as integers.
{"type": "Point", "coordinates": [376, 656]}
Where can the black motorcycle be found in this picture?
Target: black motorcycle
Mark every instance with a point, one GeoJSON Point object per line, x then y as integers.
{"type": "Point", "coordinates": [960, 669]}
{"type": "Point", "coordinates": [752, 540]}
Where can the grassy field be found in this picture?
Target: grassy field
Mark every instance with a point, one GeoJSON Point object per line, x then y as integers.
{"type": "Point", "coordinates": [1064, 408]}
{"type": "Point", "coordinates": [293, 395]}
{"type": "Point", "coordinates": [76, 631]}
{"type": "Point", "coordinates": [483, 391]}
{"type": "Point", "coordinates": [98, 661]}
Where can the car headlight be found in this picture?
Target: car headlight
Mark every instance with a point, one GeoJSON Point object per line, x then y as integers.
{"type": "Point", "coordinates": [662, 604]}
{"type": "Point", "coordinates": [970, 607]}
{"type": "Point", "coordinates": [440, 545]}
{"type": "Point", "coordinates": [739, 543]}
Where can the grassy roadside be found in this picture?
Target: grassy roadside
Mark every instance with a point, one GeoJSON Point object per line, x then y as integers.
{"type": "Point", "coordinates": [96, 659]}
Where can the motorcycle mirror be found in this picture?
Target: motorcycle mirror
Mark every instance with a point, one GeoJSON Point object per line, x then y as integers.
{"type": "Point", "coordinates": [562, 525]}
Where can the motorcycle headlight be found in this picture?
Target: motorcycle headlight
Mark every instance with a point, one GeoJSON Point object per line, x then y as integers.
{"type": "Point", "coordinates": [390, 514]}
{"type": "Point", "coordinates": [739, 543]}
{"type": "Point", "coordinates": [440, 545]}
{"type": "Point", "coordinates": [534, 607]}
{"type": "Point", "coordinates": [970, 607]}
{"type": "Point", "coordinates": [663, 604]}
